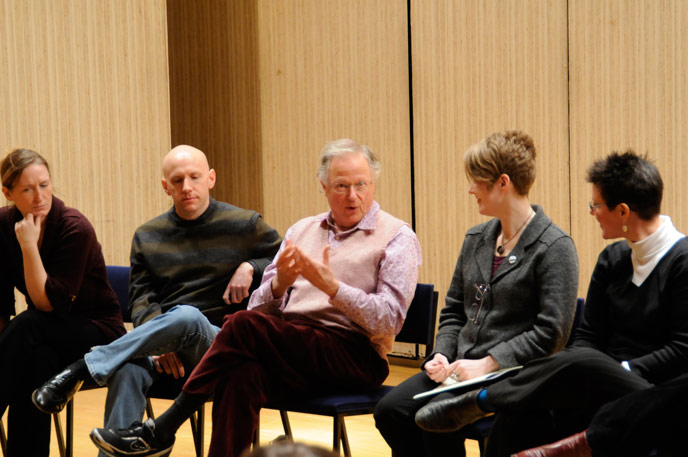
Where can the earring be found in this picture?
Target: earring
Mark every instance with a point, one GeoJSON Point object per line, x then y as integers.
{"type": "Point", "coordinates": [624, 228]}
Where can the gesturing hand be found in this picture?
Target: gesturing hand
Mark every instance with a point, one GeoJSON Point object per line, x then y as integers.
{"type": "Point", "coordinates": [287, 269]}
{"type": "Point", "coordinates": [319, 273]}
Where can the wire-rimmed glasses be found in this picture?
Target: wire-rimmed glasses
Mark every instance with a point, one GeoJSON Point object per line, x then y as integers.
{"type": "Point", "coordinates": [359, 187]}
{"type": "Point", "coordinates": [593, 206]}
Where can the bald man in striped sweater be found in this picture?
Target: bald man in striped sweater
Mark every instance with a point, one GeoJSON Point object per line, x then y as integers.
{"type": "Point", "coordinates": [189, 268]}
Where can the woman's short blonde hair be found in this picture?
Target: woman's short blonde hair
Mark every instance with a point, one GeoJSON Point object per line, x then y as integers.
{"type": "Point", "coordinates": [511, 152]}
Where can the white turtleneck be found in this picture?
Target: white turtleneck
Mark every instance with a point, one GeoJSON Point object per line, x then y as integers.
{"type": "Point", "coordinates": [647, 253]}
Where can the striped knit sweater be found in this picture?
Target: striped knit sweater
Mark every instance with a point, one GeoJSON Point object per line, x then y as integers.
{"type": "Point", "coordinates": [175, 261]}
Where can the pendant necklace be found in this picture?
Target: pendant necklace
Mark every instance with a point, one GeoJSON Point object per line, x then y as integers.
{"type": "Point", "coordinates": [500, 247]}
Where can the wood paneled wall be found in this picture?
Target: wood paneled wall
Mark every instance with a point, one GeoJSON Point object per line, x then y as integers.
{"type": "Point", "coordinates": [331, 69]}
{"type": "Point", "coordinates": [215, 92]}
{"type": "Point", "coordinates": [482, 66]}
{"type": "Point", "coordinates": [261, 85]}
{"type": "Point", "coordinates": [85, 84]}
{"type": "Point", "coordinates": [629, 62]}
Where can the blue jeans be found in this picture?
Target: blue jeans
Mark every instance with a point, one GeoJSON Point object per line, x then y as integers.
{"type": "Point", "coordinates": [125, 365]}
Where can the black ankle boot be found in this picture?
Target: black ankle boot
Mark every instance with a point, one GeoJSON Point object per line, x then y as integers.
{"type": "Point", "coordinates": [55, 393]}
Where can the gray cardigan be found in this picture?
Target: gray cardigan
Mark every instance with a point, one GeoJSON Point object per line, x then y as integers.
{"type": "Point", "coordinates": [528, 309]}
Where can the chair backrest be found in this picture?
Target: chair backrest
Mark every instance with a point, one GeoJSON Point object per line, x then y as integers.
{"type": "Point", "coordinates": [119, 281]}
{"type": "Point", "coordinates": [419, 326]}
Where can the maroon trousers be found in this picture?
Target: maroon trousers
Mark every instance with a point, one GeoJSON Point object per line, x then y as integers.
{"type": "Point", "coordinates": [257, 357]}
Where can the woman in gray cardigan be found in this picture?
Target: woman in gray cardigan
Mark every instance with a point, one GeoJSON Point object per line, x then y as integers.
{"type": "Point", "coordinates": [511, 300]}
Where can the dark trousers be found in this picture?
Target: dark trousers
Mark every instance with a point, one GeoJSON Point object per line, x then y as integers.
{"type": "Point", "coordinates": [554, 397]}
{"type": "Point", "coordinates": [395, 419]}
{"type": "Point", "coordinates": [257, 357]}
{"type": "Point", "coordinates": [34, 346]}
{"type": "Point", "coordinates": [643, 421]}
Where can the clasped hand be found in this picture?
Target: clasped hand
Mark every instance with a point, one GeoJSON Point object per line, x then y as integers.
{"type": "Point", "coordinates": [293, 262]}
{"type": "Point", "coordinates": [439, 369]}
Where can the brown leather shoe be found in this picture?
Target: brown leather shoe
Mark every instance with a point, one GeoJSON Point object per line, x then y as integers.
{"type": "Point", "coordinates": [573, 446]}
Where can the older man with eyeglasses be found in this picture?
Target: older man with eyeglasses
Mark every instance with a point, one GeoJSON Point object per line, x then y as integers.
{"type": "Point", "coordinates": [323, 319]}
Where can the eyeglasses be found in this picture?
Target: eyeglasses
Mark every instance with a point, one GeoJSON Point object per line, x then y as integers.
{"type": "Point", "coordinates": [593, 206]}
{"type": "Point", "coordinates": [477, 306]}
{"type": "Point", "coordinates": [343, 188]}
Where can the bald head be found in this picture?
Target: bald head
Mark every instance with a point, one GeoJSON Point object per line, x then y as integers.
{"type": "Point", "coordinates": [183, 153]}
{"type": "Point", "coordinates": [187, 178]}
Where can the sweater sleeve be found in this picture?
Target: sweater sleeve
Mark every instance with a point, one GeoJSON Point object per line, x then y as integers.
{"type": "Point", "coordinates": [66, 266]}
{"type": "Point", "coordinates": [143, 299]}
{"type": "Point", "coordinates": [266, 242]}
{"type": "Point", "coordinates": [452, 317]}
{"type": "Point", "coordinates": [593, 329]}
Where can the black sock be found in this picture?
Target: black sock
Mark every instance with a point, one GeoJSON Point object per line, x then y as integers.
{"type": "Point", "coordinates": [167, 424]}
{"type": "Point", "coordinates": [80, 369]}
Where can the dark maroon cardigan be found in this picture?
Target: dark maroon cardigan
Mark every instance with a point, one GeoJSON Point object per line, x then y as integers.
{"type": "Point", "coordinates": [73, 259]}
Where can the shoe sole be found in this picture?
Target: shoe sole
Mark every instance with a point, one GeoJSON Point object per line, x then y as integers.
{"type": "Point", "coordinates": [112, 452]}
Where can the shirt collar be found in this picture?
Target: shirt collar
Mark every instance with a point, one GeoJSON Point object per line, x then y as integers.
{"type": "Point", "coordinates": [367, 223]}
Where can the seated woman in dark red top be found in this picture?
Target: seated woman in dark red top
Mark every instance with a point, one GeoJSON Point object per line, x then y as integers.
{"type": "Point", "coordinates": [49, 253]}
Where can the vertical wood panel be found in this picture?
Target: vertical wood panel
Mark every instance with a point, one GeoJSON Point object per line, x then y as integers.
{"type": "Point", "coordinates": [85, 84]}
{"type": "Point", "coordinates": [481, 66]}
{"type": "Point", "coordinates": [214, 92]}
{"type": "Point", "coordinates": [629, 62]}
{"type": "Point", "coordinates": [331, 69]}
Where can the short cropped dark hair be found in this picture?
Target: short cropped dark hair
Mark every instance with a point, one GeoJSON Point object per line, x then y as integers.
{"type": "Point", "coordinates": [626, 177]}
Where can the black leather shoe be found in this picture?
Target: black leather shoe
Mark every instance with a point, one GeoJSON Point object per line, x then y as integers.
{"type": "Point", "coordinates": [55, 393]}
{"type": "Point", "coordinates": [451, 414]}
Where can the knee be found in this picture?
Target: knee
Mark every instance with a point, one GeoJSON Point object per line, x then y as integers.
{"type": "Point", "coordinates": [25, 322]}
{"type": "Point", "coordinates": [132, 375]}
{"type": "Point", "coordinates": [245, 321]}
{"type": "Point", "coordinates": [385, 412]}
{"type": "Point", "coordinates": [186, 318]}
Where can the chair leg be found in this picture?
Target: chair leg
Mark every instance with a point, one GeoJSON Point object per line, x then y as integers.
{"type": "Point", "coordinates": [345, 438]}
{"type": "Point", "coordinates": [149, 409]}
{"type": "Point", "coordinates": [256, 435]}
{"type": "Point", "coordinates": [336, 435]}
{"type": "Point", "coordinates": [69, 432]}
{"type": "Point", "coordinates": [200, 430]}
{"type": "Point", "coordinates": [286, 424]}
{"type": "Point", "coordinates": [340, 435]}
{"type": "Point", "coordinates": [482, 444]}
{"type": "Point", "coordinates": [3, 438]}
{"type": "Point", "coordinates": [60, 435]}
{"type": "Point", "coordinates": [197, 427]}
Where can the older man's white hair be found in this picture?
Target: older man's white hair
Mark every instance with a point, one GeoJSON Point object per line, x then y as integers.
{"type": "Point", "coordinates": [342, 147]}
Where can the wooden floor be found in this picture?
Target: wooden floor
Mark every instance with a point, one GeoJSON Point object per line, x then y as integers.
{"type": "Point", "coordinates": [364, 438]}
